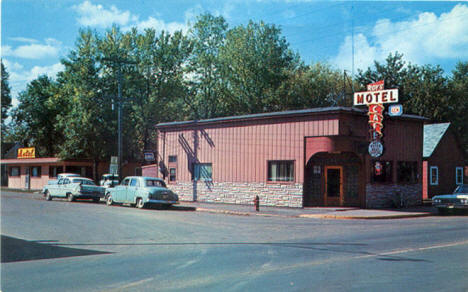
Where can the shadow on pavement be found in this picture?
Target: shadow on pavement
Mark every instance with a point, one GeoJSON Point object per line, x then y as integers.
{"type": "Point", "coordinates": [18, 250]}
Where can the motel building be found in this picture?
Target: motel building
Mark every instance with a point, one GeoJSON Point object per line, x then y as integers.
{"type": "Point", "coordinates": [302, 158]}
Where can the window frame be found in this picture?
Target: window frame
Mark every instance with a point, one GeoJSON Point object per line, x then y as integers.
{"type": "Point", "coordinates": [199, 178]}
{"type": "Point", "coordinates": [10, 172]}
{"type": "Point", "coordinates": [39, 171]}
{"type": "Point", "coordinates": [58, 169]}
{"type": "Point", "coordinates": [431, 182]}
{"type": "Point", "coordinates": [172, 159]}
{"type": "Point", "coordinates": [388, 179]}
{"type": "Point", "coordinates": [457, 169]}
{"type": "Point", "coordinates": [292, 179]}
{"type": "Point", "coordinates": [174, 175]}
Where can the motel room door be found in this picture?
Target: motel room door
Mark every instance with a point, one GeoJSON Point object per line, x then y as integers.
{"type": "Point", "coordinates": [333, 185]}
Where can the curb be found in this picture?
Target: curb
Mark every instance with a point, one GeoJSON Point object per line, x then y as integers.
{"type": "Point", "coordinates": [238, 213]}
{"type": "Point", "coordinates": [360, 217]}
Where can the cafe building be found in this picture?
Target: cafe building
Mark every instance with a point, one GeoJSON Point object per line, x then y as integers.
{"type": "Point", "coordinates": [301, 158]}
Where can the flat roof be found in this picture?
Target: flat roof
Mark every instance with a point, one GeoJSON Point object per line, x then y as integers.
{"type": "Point", "coordinates": [40, 160]}
{"type": "Point", "coordinates": [291, 113]}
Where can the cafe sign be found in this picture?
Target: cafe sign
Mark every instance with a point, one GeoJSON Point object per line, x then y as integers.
{"type": "Point", "coordinates": [26, 153]}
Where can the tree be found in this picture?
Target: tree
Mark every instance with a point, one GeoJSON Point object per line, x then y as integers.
{"type": "Point", "coordinates": [35, 117]}
{"type": "Point", "coordinates": [256, 60]}
{"type": "Point", "coordinates": [6, 99]}
{"type": "Point", "coordinates": [458, 85]}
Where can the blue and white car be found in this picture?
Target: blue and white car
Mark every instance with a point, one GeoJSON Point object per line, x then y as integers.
{"type": "Point", "coordinates": [141, 191]}
{"type": "Point", "coordinates": [457, 200]}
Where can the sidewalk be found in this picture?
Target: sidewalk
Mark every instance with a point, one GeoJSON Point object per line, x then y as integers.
{"type": "Point", "coordinates": [316, 212]}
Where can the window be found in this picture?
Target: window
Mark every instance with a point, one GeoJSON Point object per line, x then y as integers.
{"type": "Point", "coordinates": [55, 170]}
{"type": "Point", "coordinates": [172, 174]}
{"type": "Point", "coordinates": [407, 172]}
{"type": "Point", "coordinates": [172, 158]}
{"type": "Point", "coordinates": [14, 171]}
{"type": "Point", "coordinates": [434, 175]}
{"type": "Point", "coordinates": [280, 171]}
{"type": "Point", "coordinates": [134, 182]}
{"type": "Point", "coordinates": [125, 182]}
{"type": "Point", "coordinates": [202, 171]}
{"type": "Point", "coordinates": [459, 175]}
{"type": "Point", "coordinates": [155, 183]}
{"type": "Point", "coordinates": [381, 172]}
{"type": "Point", "coordinates": [36, 171]}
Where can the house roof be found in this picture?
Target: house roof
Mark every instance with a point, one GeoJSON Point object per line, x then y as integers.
{"type": "Point", "coordinates": [433, 133]}
{"type": "Point", "coordinates": [272, 115]}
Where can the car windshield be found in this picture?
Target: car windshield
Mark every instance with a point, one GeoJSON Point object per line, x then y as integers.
{"type": "Point", "coordinates": [84, 181]}
{"type": "Point", "coordinates": [461, 189]}
{"type": "Point", "coordinates": [155, 183]}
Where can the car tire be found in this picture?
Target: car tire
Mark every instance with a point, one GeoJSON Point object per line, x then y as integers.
{"type": "Point", "coordinates": [109, 200]}
{"type": "Point", "coordinates": [140, 204]}
{"type": "Point", "coordinates": [70, 198]}
{"type": "Point", "coordinates": [48, 197]}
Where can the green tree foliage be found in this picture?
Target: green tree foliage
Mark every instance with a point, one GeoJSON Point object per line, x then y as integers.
{"type": "Point", "coordinates": [35, 117]}
{"type": "Point", "coordinates": [6, 99]}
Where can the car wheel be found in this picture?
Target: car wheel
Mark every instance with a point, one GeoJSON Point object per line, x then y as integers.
{"type": "Point", "coordinates": [48, 197]}
{"type": "Point", "coordinates": [140, 204]}
{"type": "Point", "coordinates": [109, 200]}
{"type": "Point", "coordinates": [70, 198]}
{"type": "Point", "coordinates": [96, 200]}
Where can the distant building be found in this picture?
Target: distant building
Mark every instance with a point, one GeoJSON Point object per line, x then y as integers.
{"type": "Point", "coordinates": [443, 161]}
{"type": "Point", "coordinates": [302, 158]}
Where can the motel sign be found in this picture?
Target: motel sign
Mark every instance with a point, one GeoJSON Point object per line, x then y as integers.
{"type": "Point", "coordinates": [376, 97]}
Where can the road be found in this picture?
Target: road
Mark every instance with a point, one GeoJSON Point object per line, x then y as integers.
{"type": "Point", "coordinates": [82, 246]}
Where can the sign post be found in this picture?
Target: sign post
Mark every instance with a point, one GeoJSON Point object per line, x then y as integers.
{"type": "Point", "coordinates": [375, 97]}
{"type": "Point", "coordinates": [114, 165]}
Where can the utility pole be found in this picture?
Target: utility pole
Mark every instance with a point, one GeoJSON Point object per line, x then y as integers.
{"type": "Point", "coordinates": [117, 61]}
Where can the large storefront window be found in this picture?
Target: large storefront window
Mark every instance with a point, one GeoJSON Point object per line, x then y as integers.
{"type": "Point", "coordinates": [279, 171]}
{"type": "Point", "coordinates": [407, 172]}
{"type": "Point", "coordinates": [36, 171]}
{"type": "Point", "coordinates": [381, 172]}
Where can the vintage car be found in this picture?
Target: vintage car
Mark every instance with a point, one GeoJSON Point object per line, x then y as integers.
{"type": "Point", "coordinates": [109, 180]}
{"type": "Point", "coordinates": [142, 191]}
{"type": "Point", "coordinates": [457, 200]}
{"type": "Point", "coordinates": [55, 181]}
{"type": "Point", "coordinates": [74, 188]}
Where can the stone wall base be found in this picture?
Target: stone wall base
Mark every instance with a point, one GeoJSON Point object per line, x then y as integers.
{"type": "Point", "coordinates": [391, 195]}
{"type": "Point", "coordinates": [282, 195]}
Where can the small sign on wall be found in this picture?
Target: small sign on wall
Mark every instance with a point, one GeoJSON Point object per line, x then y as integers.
{"type": "Point", "coordinates": [26, 153]}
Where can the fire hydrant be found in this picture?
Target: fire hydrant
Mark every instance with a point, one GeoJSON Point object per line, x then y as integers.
{"type": "Point", "coordinates": [257, 203]}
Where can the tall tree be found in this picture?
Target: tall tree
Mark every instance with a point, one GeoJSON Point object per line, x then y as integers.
{"type": "Point", "coordinates": [459, 89]}
{"type": "Point", "coordinates": [6, 99]}
{"type": "Point", "coordinates": [36, 116]}
{"type": "Point", "coordinates": [256, 60]}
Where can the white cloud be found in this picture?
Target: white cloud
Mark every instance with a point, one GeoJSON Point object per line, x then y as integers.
{"type": "Point", "coordinates": [24, 40]}
{"type": "Point", "coordinates": [98, 16]}
{"type": "Point", "coordinates": [159, 25]}
{"type": "Point", "coordinates": [420, 40]}
{"type": "Point", "coordinates": [51, 48]}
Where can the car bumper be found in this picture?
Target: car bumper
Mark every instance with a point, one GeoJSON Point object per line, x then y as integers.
{"type": "Point", "coordinates": [450, 206]}
{"type": "Point", "coordinates": [88, 196]}
{"type": "Point", "coordinates": [162, 202]}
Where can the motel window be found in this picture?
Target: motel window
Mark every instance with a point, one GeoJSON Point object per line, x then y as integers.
{"type": "Point", "coordinates": [459, 175]}
{"type": "Point", "coordinates": [172, 174]}
{"type": "Point", "coordinates": [55, 170]}
{"type": "Point", "coordinates": [36, 171]}
{"type": "Point", "coordinates": [280, 171]}
{"type": "Point", "coordinates": [172, 158]}
{"type": "Point", "coordinates": [407, 172]}
{"type": "Point", "coordinates": [202, 171]}
{"type": "Point", "coordinates": [14, 171]}
{"type": "Point", "coordinates": [381, 172]}
{"type": "Point", "coordinates": [434, 175]}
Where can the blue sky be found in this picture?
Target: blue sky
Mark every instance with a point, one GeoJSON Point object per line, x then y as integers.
{"type": "Point", "coordinates": [36, 34]}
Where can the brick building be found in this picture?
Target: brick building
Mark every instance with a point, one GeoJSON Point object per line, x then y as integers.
{"type": "Point", "coordinates": [312, 157]}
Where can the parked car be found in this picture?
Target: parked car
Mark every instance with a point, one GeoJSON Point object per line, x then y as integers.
{"type": "Point", "coordinates": [142, 191]}
{"type": "Point", "coordinates": [457, 200]}
{"type": "Point", "coordinates": [74, 188]}
{"type": "Point", "coordinates": [109, 180]}
{"type": "Point", "coordinates": [55, 181]}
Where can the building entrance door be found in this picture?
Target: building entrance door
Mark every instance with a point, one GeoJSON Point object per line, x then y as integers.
{"type": "Point", "coordinates": [333, 185]}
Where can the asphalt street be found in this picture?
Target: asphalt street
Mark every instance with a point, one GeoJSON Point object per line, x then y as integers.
{"type": "Point", "coordinates": [83, 246]}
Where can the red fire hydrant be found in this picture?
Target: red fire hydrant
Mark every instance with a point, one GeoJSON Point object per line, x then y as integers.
{"type": "Point", "coordinates": [257, 203]}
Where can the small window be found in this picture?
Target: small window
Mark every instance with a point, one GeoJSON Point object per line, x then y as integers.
{"type": "Point", "coordinates": [172, 158]}
{"type": "Point", "coordinates": [407, 172]}
{"type": "Point", "coordinates": [14, 171]}
{"type": "Point", "coordinates": [126, 181]}
{"type": "Point", "coordinates": [134, 182]}
{"type": "Point", "coordinates": [381, 172]}
{"type": "Point", "coordinates": [459, 175]}
{"type": "Point", "coordinates": [60, 181]}
{"type": "Point", "coordinates": [66, 181]}
{"type": "Point", "coordinates": [36, 171]}
{"type": "Point", "coordinates": [281, 171]}
{"type": "Point", "coordinates": [434, 175]}
{"type": "Point", "coordinates": [172, 174]}
{"type": "Point", "coordinates": [202, 171]}
{"type": "Point", "coordinates": [55, 170]}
